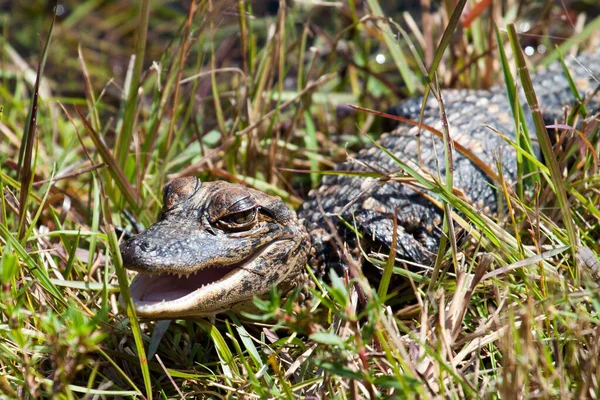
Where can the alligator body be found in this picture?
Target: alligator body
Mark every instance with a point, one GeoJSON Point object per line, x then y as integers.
{"type": "Point", "coordinates": [217, 245]}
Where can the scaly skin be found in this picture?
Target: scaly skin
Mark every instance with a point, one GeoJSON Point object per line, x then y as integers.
{"type": "Point", "coordinates": [197, 235]}
{"type": "Point", "coordinates": [371, 204]}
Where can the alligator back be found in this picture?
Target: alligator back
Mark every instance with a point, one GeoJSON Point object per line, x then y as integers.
{"type": "Point", "coordinates": [370, 203]}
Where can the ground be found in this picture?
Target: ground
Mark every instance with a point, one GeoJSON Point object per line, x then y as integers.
{"type": "Point", "coordinates": [253, 93]}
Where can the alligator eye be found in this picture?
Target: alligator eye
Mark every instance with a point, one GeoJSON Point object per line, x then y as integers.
{"type": "Point", "coordinates": [238, 220]}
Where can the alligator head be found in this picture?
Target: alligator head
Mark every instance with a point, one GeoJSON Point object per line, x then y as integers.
{"type": "Point", "coordinates": [215, 246]}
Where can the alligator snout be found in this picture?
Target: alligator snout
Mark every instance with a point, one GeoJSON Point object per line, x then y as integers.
{"type": "Point", "coordinates": [136, 249]}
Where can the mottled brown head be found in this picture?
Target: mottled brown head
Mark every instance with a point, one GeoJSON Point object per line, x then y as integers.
{"type": "Point", "coordinates": [215, 246]}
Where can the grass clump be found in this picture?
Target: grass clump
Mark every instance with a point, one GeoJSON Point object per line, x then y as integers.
{"type": "Point", "coordinates": [251, 92]}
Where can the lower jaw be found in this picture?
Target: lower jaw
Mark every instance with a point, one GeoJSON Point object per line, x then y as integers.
{"type": "Point", "coordinates": [195, 303]}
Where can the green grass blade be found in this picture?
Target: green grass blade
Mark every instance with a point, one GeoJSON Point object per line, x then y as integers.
{"type": "Point", "coordinates": [125, 294]}
{"type": "Point", "coordinates": [410, 80]}
{"type": "Point", "coordinates": [545, 144]}
{"type": "Point", "coordinates": [24, 167]}
{"type": "Point", "coordinates": [114, 168]}
{"type": "Point", "coordinates": [124, 138]}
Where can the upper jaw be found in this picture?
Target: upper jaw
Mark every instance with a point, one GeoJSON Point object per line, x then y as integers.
{"type": "Point", "coordinates": [180, 248]}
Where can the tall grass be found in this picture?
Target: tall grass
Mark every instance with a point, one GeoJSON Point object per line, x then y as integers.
{"type": "Point", "coordinates": [133, 95]}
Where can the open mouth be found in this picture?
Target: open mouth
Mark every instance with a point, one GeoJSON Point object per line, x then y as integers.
{"type": "Point", "coordinates": [206, 291]}
{"type": "Point", "coordinates": [147, 289]}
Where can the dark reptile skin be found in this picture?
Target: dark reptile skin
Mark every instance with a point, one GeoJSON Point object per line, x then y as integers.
{"type": "Point", "coordinates": [419, 221]}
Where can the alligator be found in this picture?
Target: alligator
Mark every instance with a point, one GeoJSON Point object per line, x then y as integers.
{"type": "Point", "coordinates": [217, 245]}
